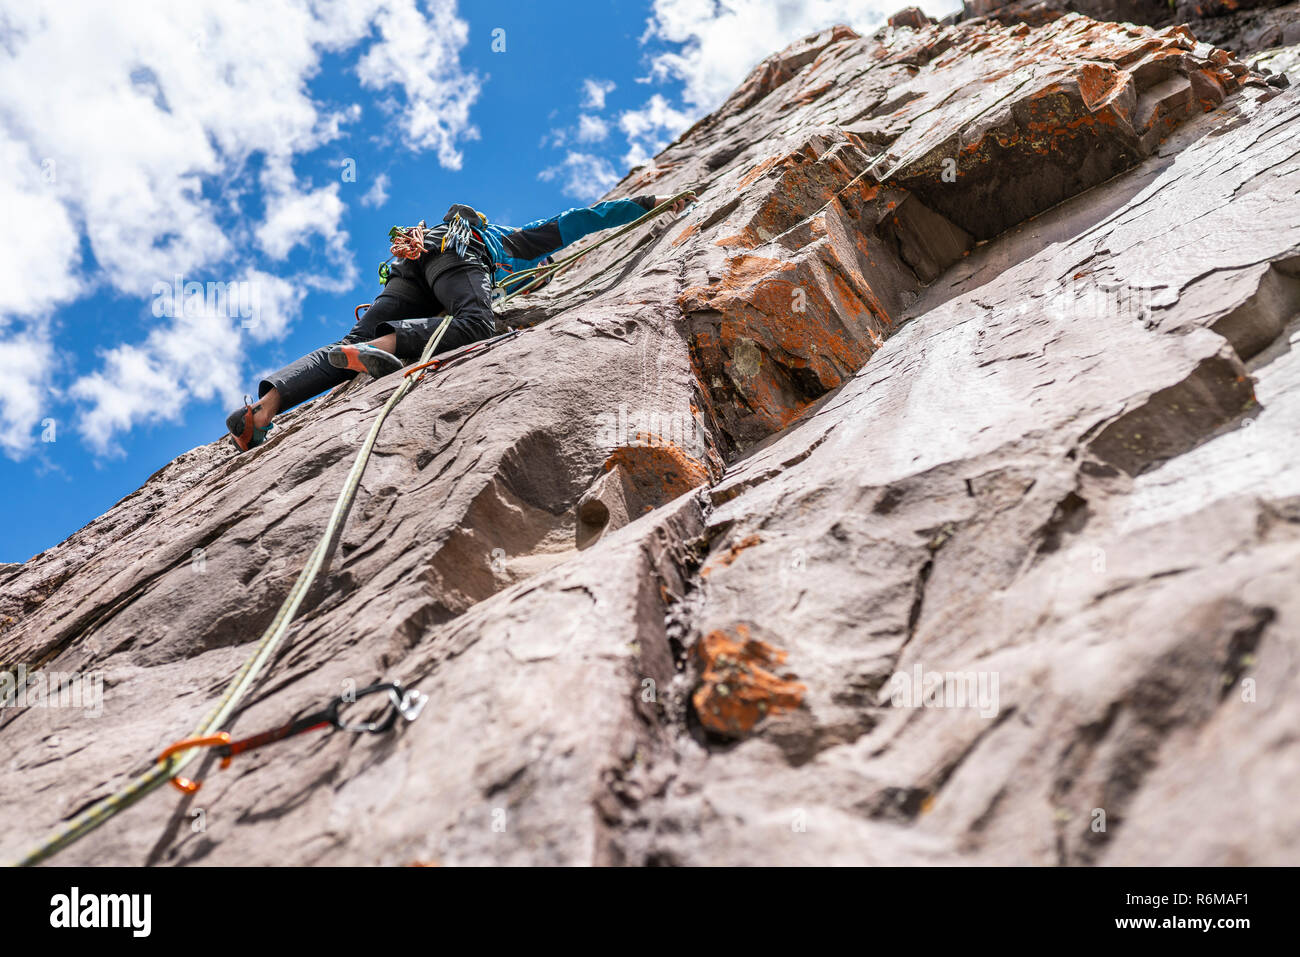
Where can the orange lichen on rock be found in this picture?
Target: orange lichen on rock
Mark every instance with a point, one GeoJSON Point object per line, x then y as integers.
{"type": "Point", "coordinates": [758, 171]}
{"type": "Point", "coordinates": [824, 169]}
{"type": "Point", "coordinates": [745, 239]}
{"type": "Point", "coordinates": [658, 470]}
{"type": "Point", "coordinates": [781, 333]}
{"type": "Point", "coordinates": [731, 554]}
{"type": "Point", "coordinates": [1099, 83]}
{"type": "Point", "coordinates": [737, 687]}
{"type": "Point", "coordinates": [687, 233]}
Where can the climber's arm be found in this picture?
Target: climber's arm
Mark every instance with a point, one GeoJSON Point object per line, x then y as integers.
{"type": "Point", "coordinates": [546, 236]}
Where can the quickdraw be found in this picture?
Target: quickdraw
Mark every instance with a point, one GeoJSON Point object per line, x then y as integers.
{"type": "Point", "coordinates": [524, 281]}
{"type": "Point", "coordinates": [206, 735]}
{"type": "Point", "coordinates": [460, 234]}
{"type": "Point", "coordinates": [168, 767]}
{"type": "Point", "coordinates": [403, 703]}
{"type": "Point", "coordinates": [455, 358]}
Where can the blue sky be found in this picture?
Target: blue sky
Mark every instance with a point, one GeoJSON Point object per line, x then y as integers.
{"type": "Point", "coordinates": [271, 145]}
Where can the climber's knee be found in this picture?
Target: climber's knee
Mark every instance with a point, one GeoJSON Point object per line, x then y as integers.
{"type": "Point", "coordinates": [410, 335]}
{"type": "Point", "coordinates": [477, 325]}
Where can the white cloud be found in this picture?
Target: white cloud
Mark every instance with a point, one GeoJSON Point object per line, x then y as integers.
{"type": "Point", "coordinates": [655, 116]}
{"type": "Point", "coordinates": [591, 129]}
{"type": "Point", "coordinates": [377, 195]}
{"type": "Point", "coordinates": [195, 351]}
{"type": "Point", "coordinates": [293, 217]}
{"type": "Point", "coordinates": [41, 254]}
{"type": "Point", "coordinates": [651, 128]}
{"type": "Point", "coordinates": [274, 304]}
{"type": "Point", "coordinates": [594, 93]}
{"type": "Point", "coordinates": [418, 54]}
{"type": "Point", "coordinates": [26, 361]}
{"type": "Point", "coordinates": [134, 387]}
{"type": "Point", "coordinates": [586, 176]}
{"type": "Point", "coordinates": [132, 130]}
{"type": "Point", "coordinates": [719, 43]}
{"type": "Point", "coordinates": [638, 155]}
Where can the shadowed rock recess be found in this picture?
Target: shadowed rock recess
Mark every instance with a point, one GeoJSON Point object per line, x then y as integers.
{"type": "Point", "coordinates": [973, 363]}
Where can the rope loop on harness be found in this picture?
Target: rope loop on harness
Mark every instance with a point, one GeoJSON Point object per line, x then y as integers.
{"type": "Point", "coordinates": [407, 242]}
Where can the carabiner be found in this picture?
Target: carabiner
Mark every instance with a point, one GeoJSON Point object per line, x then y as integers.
{"type": "Point", "coordinates": [185, 785]}
{"type": "Point", "coordinates": [407, 704]}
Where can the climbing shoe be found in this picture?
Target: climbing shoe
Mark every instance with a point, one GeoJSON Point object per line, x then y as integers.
{"type": "Point", "coordinates": [242, 430]}
{"type": "Point", "coordinates": [364, 358]}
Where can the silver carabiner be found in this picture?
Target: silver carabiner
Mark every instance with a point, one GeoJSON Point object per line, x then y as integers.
{"type": "Point", "coordinates": [409, 704]}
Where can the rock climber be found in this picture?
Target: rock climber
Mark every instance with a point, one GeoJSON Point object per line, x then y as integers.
{"type": "Point", "coordinates": [453, 276]}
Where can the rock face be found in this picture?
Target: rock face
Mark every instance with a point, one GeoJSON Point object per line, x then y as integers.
{"type": "Point", "coordinates": [926, 494]}
{"type": "Point", "coordinates": [1266, 30]}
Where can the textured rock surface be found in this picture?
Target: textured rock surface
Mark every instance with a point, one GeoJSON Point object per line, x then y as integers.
{"type": "Point", "coordinates": [660, 561]}
{"type": "Point", "coordinates": [1269, 29]}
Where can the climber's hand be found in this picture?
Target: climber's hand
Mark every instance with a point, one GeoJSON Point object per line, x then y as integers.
{"type": "Point", "coordinates": [678, 206]}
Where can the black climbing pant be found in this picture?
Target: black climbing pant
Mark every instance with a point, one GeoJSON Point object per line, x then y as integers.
{"type": "Point", "coordinates": [410, 306]}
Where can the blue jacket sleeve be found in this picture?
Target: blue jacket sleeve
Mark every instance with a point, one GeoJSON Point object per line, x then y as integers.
{"type": "Point", "coordinates": [546, 236]}
{"type": "Point", "coordinates": [576, 223]}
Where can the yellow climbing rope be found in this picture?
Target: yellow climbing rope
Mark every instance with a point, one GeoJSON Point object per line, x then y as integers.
{"type": "Point", "coordinates": [540, 275]}
{"type": "Point", "coordinates": [173, 760]}
{"type": "Point", "coordinates": [171, 764]}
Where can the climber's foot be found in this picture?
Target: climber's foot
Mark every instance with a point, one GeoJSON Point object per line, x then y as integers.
{"type": "Point", "coordinates": [245, 433]}
{"type": "Point", "coordinates": [364, 358]}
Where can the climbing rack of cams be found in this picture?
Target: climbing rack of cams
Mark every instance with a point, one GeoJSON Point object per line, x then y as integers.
{"type": "Point", "coordinates": [409, 242]}
{"type": "Point", "coordinates": [208, 734]}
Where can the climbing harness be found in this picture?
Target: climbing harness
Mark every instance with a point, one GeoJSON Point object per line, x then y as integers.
{"type": "Point", "coordinates": [165, 769]}
{"type": "Point", "coordinates": [412, 242]}
{"type": "Point", "coordinates": [523, 281]}
{"type": "Point", "coordinates": [208, 734]}
{"type": "Point", "coordinates": [403, 703]}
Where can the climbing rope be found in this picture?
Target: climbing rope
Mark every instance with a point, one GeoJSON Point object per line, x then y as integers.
{"type": "Point", "coordinates": [485, 345]}
{"type": "Point", "coordinates": [170, 764]}
{"type": "Point", "coordinates": [407, 242]}
{"type": "Point", "coordinates": [174, 758]}
{"type": "Point", "coordinates": [404, 242]}
{"type": "Point", "coordinates": [407, 704]}
{"type": "Point", "coordinates": [538, 276]}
